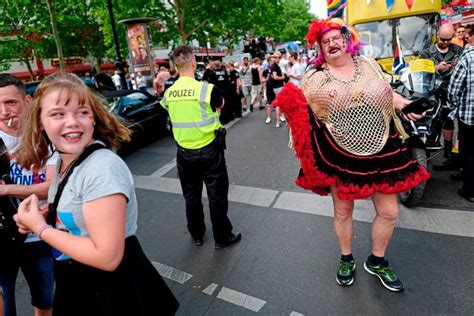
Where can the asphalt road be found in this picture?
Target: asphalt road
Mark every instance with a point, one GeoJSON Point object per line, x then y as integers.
{"type": "Point", "coordinates": [287, 259]}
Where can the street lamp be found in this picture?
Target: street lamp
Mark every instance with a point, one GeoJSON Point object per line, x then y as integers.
{"type": "Point", "coordinates": [118, 57]}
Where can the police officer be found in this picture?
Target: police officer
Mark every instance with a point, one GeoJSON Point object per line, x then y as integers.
{"type": "Point", "coordinates": [194, 108]}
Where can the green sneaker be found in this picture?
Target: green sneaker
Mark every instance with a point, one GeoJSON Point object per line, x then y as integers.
{"type": "Point", "coordinates": [345, 273]}
{"type": "Point", "coordinates": [386, 275]}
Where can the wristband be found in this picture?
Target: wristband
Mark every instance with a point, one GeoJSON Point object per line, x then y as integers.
{"type": "Point", "coordinates": [45, 227]}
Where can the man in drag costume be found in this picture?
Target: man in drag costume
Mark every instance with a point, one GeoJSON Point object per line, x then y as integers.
{"type": "Point", "coordinates": [346, 136]}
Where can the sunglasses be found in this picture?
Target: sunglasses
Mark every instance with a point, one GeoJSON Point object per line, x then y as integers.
{"type": "Point", "coordinates": [445, 39]}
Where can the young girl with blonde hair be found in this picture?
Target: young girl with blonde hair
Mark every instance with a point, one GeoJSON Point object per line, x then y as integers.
{"type": "Point", "coordinates": [100, 268]}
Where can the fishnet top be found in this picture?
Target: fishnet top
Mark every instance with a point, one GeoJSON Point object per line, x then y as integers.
{"type": "Point", "coordinates": [357, 113]}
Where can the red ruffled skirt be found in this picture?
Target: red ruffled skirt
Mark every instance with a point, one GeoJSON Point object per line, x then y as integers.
{"type": "Point", "coordinates": [324, 163]}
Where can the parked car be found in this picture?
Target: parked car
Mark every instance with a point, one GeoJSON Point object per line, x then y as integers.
{"type": "Point", "coordinates": [141, 113]}
{"type": "Point", "coordinates": [30, 87]}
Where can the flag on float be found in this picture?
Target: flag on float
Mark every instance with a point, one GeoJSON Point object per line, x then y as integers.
{"type": "Point", "coordinates": [398, 59]}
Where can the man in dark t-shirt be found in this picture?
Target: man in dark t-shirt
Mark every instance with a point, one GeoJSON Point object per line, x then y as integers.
{"type": "Point", "coordinates": [210, 74]}
{"type": "Point", "coordinates": [234, 90]}
{"type": "Point", "coordinates": [270, 96]}
{"type": "Point", "coordinates": [222, 77]}
{"type": "Point", "coordinates": [278, 80]}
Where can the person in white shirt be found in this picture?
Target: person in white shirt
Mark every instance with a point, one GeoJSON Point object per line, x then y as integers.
{"type": "Point", "coordinates": [116, 80]}
{"type": "Point", "coordinates": [297, 70]}
{"type": "Point", "coordinates": [284, 64]}
{"type": "Point", "coordinates": [141, 82]}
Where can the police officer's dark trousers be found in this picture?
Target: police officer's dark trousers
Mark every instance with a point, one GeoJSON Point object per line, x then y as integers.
{"type": "Point", "coordinates": [207, 165]}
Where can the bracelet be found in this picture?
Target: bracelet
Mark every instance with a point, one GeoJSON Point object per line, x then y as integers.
{"type": "Point", "coordinates": [45, 227]}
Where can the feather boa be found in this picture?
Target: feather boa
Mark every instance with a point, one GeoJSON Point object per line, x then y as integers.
{"type": "Point", "coordinates": [293, 104]}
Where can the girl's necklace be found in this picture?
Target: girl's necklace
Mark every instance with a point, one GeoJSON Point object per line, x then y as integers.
{"type": "Point", "coordinates": [66, 170]}
{"type": "Point", "coordinates": [355, 78]}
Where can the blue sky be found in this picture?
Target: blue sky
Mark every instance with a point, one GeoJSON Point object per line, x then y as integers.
{"type": "Point", "coordinates": [319, 7]}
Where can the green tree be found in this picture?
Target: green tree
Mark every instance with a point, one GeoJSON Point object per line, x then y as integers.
{"type": "Point", "coordinates": [80, 30]}
{"type": "Point", "coordinates": [233, 21]}
{"type": "Point", "coordinates": [267, 20]}
{"type": "Point", "coordinates": [54, 27]}
{"type": "Point", "coordinates": [84, 29]}
{"type": "Point", "coordinates": [24, 34]}
{"type": "Point", "coordinates": [126, 9]}
{"type": "Point", "coordinates": [297, 17]}
{"type": "Point", "coordinates": [285, 20]}
{"type": "Point", "coordinates": [190, 18]}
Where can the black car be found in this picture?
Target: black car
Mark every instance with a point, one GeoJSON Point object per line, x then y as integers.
{"type": "Point", "coordinates": [30, 87]}
{"type": "Point", "coordinates": [141, 113]}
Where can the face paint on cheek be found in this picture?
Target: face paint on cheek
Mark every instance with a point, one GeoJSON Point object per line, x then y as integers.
{"type": "Point", "coordinates": [92, 120]}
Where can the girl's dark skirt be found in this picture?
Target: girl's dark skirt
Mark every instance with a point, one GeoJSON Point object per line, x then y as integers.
{"type": "Point", "coordinates": [134, 288]}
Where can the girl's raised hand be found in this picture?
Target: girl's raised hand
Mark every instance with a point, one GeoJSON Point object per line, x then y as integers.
{"type": "Point", "coordinates": [29, 217]}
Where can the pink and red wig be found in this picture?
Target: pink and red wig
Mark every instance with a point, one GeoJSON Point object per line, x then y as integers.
{"type": "Point", "coordinates": [317, 29]}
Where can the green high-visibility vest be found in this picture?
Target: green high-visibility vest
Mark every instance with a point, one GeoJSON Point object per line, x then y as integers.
{"type": "Point", "coordinates": [188, 103]}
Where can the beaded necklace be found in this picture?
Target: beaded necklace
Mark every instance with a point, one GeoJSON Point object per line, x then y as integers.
{"type": "Point", "coordinates": [355, 78]}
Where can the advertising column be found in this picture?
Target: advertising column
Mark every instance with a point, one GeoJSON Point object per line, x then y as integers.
{"type": "Point", "coordinates": [138, 40]}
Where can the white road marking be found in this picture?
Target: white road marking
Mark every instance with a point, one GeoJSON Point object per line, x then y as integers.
{"type": "Point", "coordinates": [237, 193]}
{"type": "Point", "coordinates": [293, 313]}
{"type": "Point", "coordinates": [241, 299]}
{"type": "Point", "coordinates": [451, 222]}
{"type": "Point", "coordinates": [305, 203]}
{"type": "Point", "coordinates": [172, 273]}
{"type": "Point", "coordinates": [252, 196]}
{"type": "Point", "coordinates": [210, 289]}
{"type": "Point", "coordinates": [162, 184]}
{"type": "Point", "coordinates": [165, 169]}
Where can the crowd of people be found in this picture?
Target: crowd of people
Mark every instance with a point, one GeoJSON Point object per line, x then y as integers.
{"type": "Point", "coordinates": [79, 216]}
{"type": "Point", "coordinates": [258, 46]}
{"type": "Point", "coordinates": [254, 83]}
{"type": "Point", "coordinates": [450, 54]}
